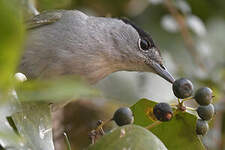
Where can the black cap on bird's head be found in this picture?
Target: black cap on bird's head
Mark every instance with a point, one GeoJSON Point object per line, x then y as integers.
{"type": "Point", "coordinates": [151, 52]}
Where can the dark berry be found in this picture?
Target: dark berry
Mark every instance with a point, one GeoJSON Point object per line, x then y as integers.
{"type": "Point", "coordinates": [123, 116]}
{"type": "Point", "coordinates": [206, 112]}
{"type": "Point", "coordinates": [203, 96]}
{"type": "Point", "coordinates": [163, 112]}
{"type": "Point", "coordinates": [182, 88]}
{"type": "Point", "coordinates": [201, 127]}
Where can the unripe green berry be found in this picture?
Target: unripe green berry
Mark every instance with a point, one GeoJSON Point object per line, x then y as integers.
{"type": "Point", "coordinates": [203, 96]}
{"type": "Point", "coordinates": [201, 127]}
{"type": "Point", "coordinates": [163, 112]}
{"type": "Point", "coordinates": [123, 116]}
{"type": "Point", "coordinates": [182, 88]}
{"type": "Point", "coordinates": [206, 112]}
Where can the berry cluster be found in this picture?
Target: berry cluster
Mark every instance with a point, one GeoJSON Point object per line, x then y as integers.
{"type": "Point", "coordinates": [205, 110]}
{"type": "Point", "coordinates": [183, 89]}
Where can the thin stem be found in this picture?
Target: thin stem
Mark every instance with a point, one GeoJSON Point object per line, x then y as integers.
{"type": "Point", "coordinates": [173, 104]}
{"type": "Point", "coordinates": [67, 141]}
{"type": "Point", "coordinates": [153, 125]}
{"type": "Point", "coordinates": [190, 108]}
{"type": "Point", "coordinates": [101, 131]}
{"type": "Point", "coordinates": [99, 128]}
{"type": "Point", "coordinates": [179, 102]}
{"type": "Point", "coordinates": [189, 98]}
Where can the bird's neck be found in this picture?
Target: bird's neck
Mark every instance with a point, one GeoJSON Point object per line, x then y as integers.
{"type": "Point", "coordinates": [103, 56]}
{"type": "Point", "coordinates": [97, 69]}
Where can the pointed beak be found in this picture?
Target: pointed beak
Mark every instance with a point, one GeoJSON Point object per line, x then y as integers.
{"type": "Point", "coordinates": [163, 72]}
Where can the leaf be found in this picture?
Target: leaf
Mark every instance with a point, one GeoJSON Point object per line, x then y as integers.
{"type": "Point", "coordinates": [11, 38]}
{"type": "Point", "coordinates": [49, 4]}
{"type": "Point", "coordinates": [8, 137]}
{"type": "Point", "coordinates": [177, 134]}
{"type": "Point", "coordinates": [54, 89]}
{"type": "Point", "coordinates": [1, 147]}
{"type": "Point", "coordinates": [130, 137]}
{"type": "Point", "coordinates": [12, 124]}
{"type": "Point", "coordinates": [33, 123]}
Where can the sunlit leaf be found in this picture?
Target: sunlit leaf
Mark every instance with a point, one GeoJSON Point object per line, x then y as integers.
{"type": "Point", "coordinates": [33, 123]}
{"type": "Point", "coordinates": [130, 137]}
{"type": "Point", "coordinates": [8, 136]}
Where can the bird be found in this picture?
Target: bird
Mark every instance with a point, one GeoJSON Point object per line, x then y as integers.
{"type": "Point", "coordinates": [69, 42]}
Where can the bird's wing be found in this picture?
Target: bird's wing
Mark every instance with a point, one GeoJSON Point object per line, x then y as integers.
{"type": "Point", "coordinates": [43, 19]}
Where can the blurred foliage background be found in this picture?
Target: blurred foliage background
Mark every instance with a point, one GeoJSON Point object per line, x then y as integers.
{"type": "Point", "coordinates": [189, 33]}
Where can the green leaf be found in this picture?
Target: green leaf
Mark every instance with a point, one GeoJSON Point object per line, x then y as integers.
{"type": "Point", "coordinates": [66, 88]}
{"type": "Point", "coordinates": [11, 38]}
{"type": "Point", "coordinates": [50, 4]}
{"type": "Point", "coordinates": [10, 140]}
{"type": "Point", "coordinates": [33, 123]}
{"type": "Point", "coordinates": [8, 136]}
{"type": "Point", "coordinates": [1, 147]}
{"type": "Point", "coordinates": [12, 124]}
{"type": "Point", "coordinates": [130, 137]}
{"type": "Point", "coordinates": [177, 134]}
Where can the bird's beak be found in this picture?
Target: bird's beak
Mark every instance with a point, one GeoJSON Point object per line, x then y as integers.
{"type": "Point", "coordinates": [163, 72]}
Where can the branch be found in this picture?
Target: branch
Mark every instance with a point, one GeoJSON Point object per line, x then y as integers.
{"type": "Point", "coordinates": [188, 41]}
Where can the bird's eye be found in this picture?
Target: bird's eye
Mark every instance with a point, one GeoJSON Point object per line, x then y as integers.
{"type": "Point", "coordinates": [143, 44]}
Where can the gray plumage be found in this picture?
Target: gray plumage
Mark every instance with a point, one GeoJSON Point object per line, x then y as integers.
{"type": "Point", "coordinates": [92, 47]}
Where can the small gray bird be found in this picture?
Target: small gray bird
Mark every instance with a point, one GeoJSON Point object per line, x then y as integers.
{"type": "Point", "coordinates": [72, 43]}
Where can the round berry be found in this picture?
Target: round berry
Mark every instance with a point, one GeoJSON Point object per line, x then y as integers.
{"type": "Point", "coordinates": [123, 116]}
{"type": "Point", "coordinates": [163, 112]}
{"type": "Point", "coordinates": [203, 96]}
{"type": "Point", "coordinates": [206, 112]}
{"type": "Point", "coordinates": [201, 127]}
{"type": "Point", "coordinates": [182, 88]}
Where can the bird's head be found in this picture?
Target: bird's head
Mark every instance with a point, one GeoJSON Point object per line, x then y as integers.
{"type": "Point", "coordinates": [141, 53]}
